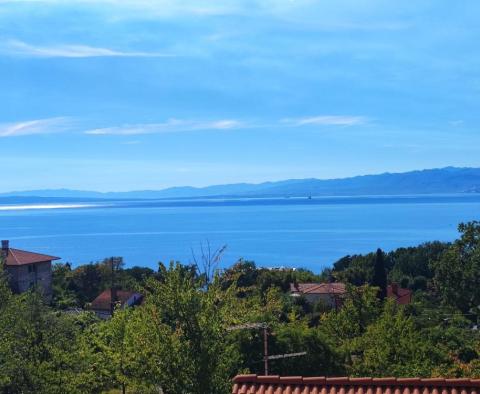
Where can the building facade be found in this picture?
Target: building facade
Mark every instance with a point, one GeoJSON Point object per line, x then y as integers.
{"type": "Point", "coordinates": [103, 305]}
{"type": "Point", "coordinates": [332, 294]}
{"type": "Point", "coordinates": [26, 270]}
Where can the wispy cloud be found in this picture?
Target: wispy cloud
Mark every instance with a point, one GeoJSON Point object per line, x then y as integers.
{"type": "Point", "coordinates": [16, 47]}
{"type": "Point", "coordinates": [326, 120]}
{"type": "Point", "coordinates": [39, 126]}
{"type": "Point", "coordinates": [59, 124]}
{"type": "Point", "coordinates": [182, 125]}
{"type": "Point", "coordinates": [170, 126]}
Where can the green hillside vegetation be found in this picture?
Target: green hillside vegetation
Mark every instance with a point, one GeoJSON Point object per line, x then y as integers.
{"type": "Point", "coordinates": [178, 340]}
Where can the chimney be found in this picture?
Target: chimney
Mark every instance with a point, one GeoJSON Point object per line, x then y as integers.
{"type": "Point", "coordinates": [5, 247]}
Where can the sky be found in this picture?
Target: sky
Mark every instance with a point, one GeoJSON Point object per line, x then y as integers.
{"type": "Point", "coordinates": [116, 95]}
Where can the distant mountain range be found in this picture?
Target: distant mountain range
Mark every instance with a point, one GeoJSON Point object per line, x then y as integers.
{"type": "Point", "coordinates": [433, 181]}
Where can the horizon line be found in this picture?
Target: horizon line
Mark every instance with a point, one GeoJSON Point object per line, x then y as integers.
{"type": "Point", "coordinates": [11, 193]}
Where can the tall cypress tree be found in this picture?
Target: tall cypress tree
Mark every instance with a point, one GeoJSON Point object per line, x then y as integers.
{"type": "Point", "coordinates": [380, 274]}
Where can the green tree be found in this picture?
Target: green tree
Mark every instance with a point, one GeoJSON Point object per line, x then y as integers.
{"type": "Point", "coordinates": [360, 309]}
{"type": "Point", "coordinates": [35, 346]}
{"type": "Point", "coordinates": [457, 272]}
{"type": "Point", "coordinates": [380, 274]}
{"type": "Point", "coordinates": [176, 341]}
{"type": "Point", "coordinates": [392, 346]}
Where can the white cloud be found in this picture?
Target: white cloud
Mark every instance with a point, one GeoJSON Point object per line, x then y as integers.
{"type": "Point", "coordinates": [170, 126]}
{"type": "Point", "coordinates": [59, 124]}
{"type": "Point", "coordinates": [327, 120]}
{"type": "Point", "coordinates": [180, 125]}
{"type": "Point", "coordinates": [16, 47]}
{"type": "Point", "coordinates": [39, 126]}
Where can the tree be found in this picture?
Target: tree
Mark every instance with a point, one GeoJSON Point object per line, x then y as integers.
{"type": "Point", "coordinates": [392, 346]}
{"type": "Point", "coordinates": [35, 347]}
{"type": "Point", "coordinates": [321, 358]}
{"type": "Point", "coordinates": [176, 341]}
{"type": "Point", "coordinates": [457, 272]}
{"type": "Point", "coordinates": [380, 275]}
{"type": "Point", "coordinates": [356, 270]}
{"type": "Point", "coordinates": [359, 310]}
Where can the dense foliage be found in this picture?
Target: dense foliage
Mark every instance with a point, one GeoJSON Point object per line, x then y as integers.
{"type": "Point", "coordinates": [180, 340]}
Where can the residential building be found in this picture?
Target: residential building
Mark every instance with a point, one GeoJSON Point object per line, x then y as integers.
{"type": "Point", "coordinates": [103, 305]}
{"type": "Point", "coordinates": [402, 296]}
{"type": "Point", "coordinates": [253, 384]}
{"type": "Point", "coordinates": [331, 294]}
{"type": "Point", "coordinates": [28, 270]}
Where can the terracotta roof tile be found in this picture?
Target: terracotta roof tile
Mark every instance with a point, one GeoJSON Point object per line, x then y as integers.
{"type": "Point", "coordinates": [253, 384]}
{"type": "Point", "coordinates": [402, 296]}
{"type": "Point", "coordinates": [318, 288]}
{"type": "Point", "coordinates": [103, 301]}
{"type": "Point", "coordinates": [22, 257]}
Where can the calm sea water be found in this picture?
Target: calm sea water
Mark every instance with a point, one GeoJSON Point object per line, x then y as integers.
{"type": "Point", "coordinates": [277, 232]}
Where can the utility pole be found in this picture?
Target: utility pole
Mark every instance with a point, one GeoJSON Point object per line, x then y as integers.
{"type": "Point", "coordinates": [265, 349]}
{"type": "Point", "coordinates": [266, 357]}
{"type": "Point", "coordinates": [114, 262]}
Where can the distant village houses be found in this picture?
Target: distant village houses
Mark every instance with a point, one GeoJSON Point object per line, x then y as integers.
{"type": "Point", "coordinates": [103, 305]}
{"type": "Point", "coordinates": [331, 294]}
{"type": "Point", "coordinates": [26, 270]}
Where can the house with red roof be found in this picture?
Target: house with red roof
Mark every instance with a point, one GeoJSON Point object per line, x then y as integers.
{"type": "Point", "coordinates": [400, 295]}
{"type": "Point", "coordinates": [331, 294]}
{"type": "Point", "coordinates": [26, 270]}
{"type": "Point", "coordinates": [273, 384]}
{"type": "Point", "coordinates": [103, 304]}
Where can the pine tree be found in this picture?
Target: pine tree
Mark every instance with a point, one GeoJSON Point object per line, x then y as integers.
{"type": "Point", "coordinates": [380, 275]}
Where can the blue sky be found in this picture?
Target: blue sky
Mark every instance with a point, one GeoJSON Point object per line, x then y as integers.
{"type": "Point", "coordinates": [135, 94]}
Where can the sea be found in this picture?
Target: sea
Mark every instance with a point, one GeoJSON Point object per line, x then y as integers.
{"type": "Point", "coordinates": [309, 233]}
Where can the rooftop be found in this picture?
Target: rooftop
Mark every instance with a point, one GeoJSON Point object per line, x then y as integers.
{"type": "Point", "coordinates": [22, 257]}
{"type": "Point", "coordinates": [402, 296]}
{"type": "Point", "coordinates": [318, 288]}
{"type": "Point", "coordinates": [254, 384]}
{"type": "Point", "coordinates": [104, 300]}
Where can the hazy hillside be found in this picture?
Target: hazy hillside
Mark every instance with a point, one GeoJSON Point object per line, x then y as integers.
{"type": "Point", "coordinates": [435, 181]}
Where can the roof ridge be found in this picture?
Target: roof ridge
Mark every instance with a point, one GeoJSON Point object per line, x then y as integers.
{"type": "Point", "coordinates": [13, 254]}
{"type": "Point", "coordinates": [332, 287]}
{"type": "Point", "coordinates": [29, 251]}
{"type": "Point", "coordinates": [359, 381]}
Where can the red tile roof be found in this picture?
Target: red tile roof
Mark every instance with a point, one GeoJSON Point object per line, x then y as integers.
{"type": "Point", "coordinates": [253, 384]}
{"type": "Point", "coordinates": [402, 296]}
{"type": "Point", "coordinates": [22, 257]}
{"type": "Point", "coordinates": [318, 288]}
{"type": "Point", "coordinates": [103, 301]}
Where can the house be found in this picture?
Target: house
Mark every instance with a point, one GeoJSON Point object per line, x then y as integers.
{"type": "Point", "coordinates": [103, 306]}
{"type": "Point", "coordinates": [402, 296]}
{"type": "Point", "coordinates": [253, 384]}
{"type": "Point", "coordinates": [27, 269]}
{"type": "Point", "coordinates": [331, 294]}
